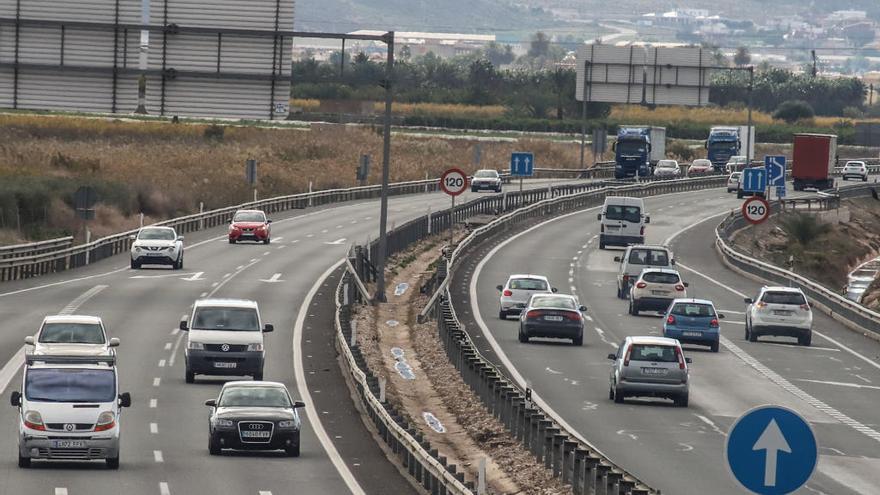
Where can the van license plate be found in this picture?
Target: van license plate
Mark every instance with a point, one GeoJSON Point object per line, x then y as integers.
{"type": "Point", "coordinates": [68, 444]}
{"type": "Point", "coordinates": [654, 371]}
{"type": "Point", "coordinates": [224, 365]}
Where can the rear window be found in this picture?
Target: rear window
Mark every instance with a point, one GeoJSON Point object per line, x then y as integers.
{"type": "Point", "coordinates": [656, 353]}
{"type": "Point", "coordinates": [631, 214]}
{"type": "Point", "coordinates": [661, 278]}
{"type": "Point", "coordinates": [692, 309]}
{"type": "Point", "coordinates": [71, 333]}
{"type": "Point", "coordinates": [553, 302]}
{"type": "Point", "coordinates": [216, 318]}
{"type": "Point", "coordinates": [652, 257]}
{"type": "Point", "coordinates": [784, 298]}
{"type": "Point", "coordinates": [528, 284]}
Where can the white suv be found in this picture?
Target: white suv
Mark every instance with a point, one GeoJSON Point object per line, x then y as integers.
{"type": "Point", "coordinates": [636, 258]}
{"type": "Point", "coordinates": [72, 335]}
{"type": "Point", "coordinates": [515, 294]}
{"type": "Point", "coordinates": [655, 289]}
{"type": "Point", "coordinates": [855, 169]}
{"type": "Point", "coordinates": [782, 311]}
{"type": "Point", "coordinates": [157, 246]}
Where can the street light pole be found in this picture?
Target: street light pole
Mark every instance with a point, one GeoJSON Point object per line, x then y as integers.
{"type": "Point", "coordinates": [386, 158]}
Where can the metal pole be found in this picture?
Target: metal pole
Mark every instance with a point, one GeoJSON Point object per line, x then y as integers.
{"type": "Point", "coordinates": [520, 186]}
{"type": "Point", "coordinates": [583, 130]}
{"type": "Point", "coordinates": [749, 130]}
{"type": "Point", "coordinates": [386, 157]}
{"type": "Point", "coordinates": [452, 223]}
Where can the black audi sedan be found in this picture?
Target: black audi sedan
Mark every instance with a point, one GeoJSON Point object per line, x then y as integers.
{"type": "Point", "coordinates": [252, 415]}
{"type": "Point", "coordinates": [555, 316]}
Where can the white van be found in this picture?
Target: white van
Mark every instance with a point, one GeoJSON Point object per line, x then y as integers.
{"type": "Point", "coordinates": [225, 338]}
{"type": "Point", "coordinates": [622, 221]}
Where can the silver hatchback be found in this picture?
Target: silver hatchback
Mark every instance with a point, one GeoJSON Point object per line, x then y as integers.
{"type": "Point", "coordinates": [649, 367]}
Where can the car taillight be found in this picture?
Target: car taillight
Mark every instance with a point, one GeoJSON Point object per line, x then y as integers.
{"type": "Point", "coordinates": [680, 357]}
{"type": "Point", "coordinates": [534, 313]}
{"type": "Point", "coordinates": [573, 316]}
{"type": "Point", "coordinates": [106, 421]}
{"type": "Point", "coordinates": [507, 293]}
{"type": "Point", "coordinates": [670, 320]}
{"type": "Point", "coordinates": [805, 307]}
{"type": "Point", "coordinates": [34, 421]}
{"type": "Point", "coordinates": [641, 285]}
{"type": "Point", "coordinates": [626, 358]}
{"type": "Point", "coordinates": [713, 323]}
{"type": "Point", "coordinates": [679, 287]}
{"type": "Point", "coordinates": [760, 305]}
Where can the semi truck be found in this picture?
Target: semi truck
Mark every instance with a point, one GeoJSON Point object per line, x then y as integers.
{"type": "Point", "coordinates": [725, 142]}
{"type": "Point", "coordinates": [637, 150]}
{"type": "Point", "coordinates": [814, 158]}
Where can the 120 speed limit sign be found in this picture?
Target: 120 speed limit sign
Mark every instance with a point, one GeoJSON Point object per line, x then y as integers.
{"type": "Point", "coordinates": [453, 182]}
{"type": "Point", "coordinates": [756, 209]}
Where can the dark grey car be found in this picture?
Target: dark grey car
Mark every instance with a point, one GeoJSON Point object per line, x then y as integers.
{"type": "Point", "coordinates": [254, 416]}
{"type": "Point", "coordinates": [552, 315]}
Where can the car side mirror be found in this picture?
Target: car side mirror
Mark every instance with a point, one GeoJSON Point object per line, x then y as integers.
{"type": "Point", "coordinates": [672, 262]}
{"type": "Point", "coordinates": [180, 238]}
{"type": "Point", "coordinates": [268, 327]}
{"type": "Point", "coordinates": [599, 217]}
{"type": "Point", "coordinates": [114, 342]}
{"type": "Point", "coordinates": [29, 340]}
{"type": "Point", "coordinates": [688, 360]}
{"type": "Point", "coordinates": [617, 259]}
{"type": "Point", "coordinates": [612, 357]}
{"type": "Point", "coordinates": [748, 300]}
{"type": "Point", "coordinates": [499, 287]}
{"type": "Point", "coordinates": [211, 402]}
{"type": "Point", "coordinates": [582, 309]}
{"type": "Point", "coordinates": [554, 290]}
{"type": "Point", "coordinates": [647, 219]}
{"type": "Point", "coordinates": [132, 237]}
{"type": "Point", "coordinates": [298, 404]}
{"type": "Point", "coordinates": [183, 325]}
{"type": "Point", "coordinates": [15, 399]}
{"type": "Point", "coordinates": [720, 316]}
{"type": "Point", "coordinates": [125, 399]}
{"type": "Point", "coordinates": [268, 221]}
{"type": "Point", "coordinates": [687, 284]}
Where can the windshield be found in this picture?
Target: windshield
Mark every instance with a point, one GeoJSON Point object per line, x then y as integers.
{"type": "Point", "coordinates": [656, 353]}
{"type": "Point", "coordinates": [71, 333]}
{"type": "Point", "coordinates": [70, 385]}
{"type": "Point", "coordinates": [528, 284]}
{"type": "Point", "coordinates": [254, 397]}
{"type": "Point", "coordinates": [631, 147]}
{"type": "Point", "coordinates": [652, 257]}
{"type": "Point", "coordinates": [249, 216]}
{"type": "Point", "coordinates": [632, 214]}
{"type": "Point", "coordinates": [157, 234]}
{"type": "Point", "coordinates": [660, 278]}
{"type": "Point", "coordinates": [701, 163]}
{"type": "Point", "coordinates": [855, 164]}
{"type": "Point", "coordinates": [209, 318]}
{"type": "Point", "coordinates": [486, 174]}
{"type": "Point", "coordinates": [667, 164]}
{"type": "Point", "coordinates": [553, 302]}
{"type": "Point", "coordinates": [784, 298]}
{"type": "Point", "coordinates": [693, 309]}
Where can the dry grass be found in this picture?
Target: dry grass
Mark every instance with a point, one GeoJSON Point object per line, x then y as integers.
{"type": "Point", "coordinates": [447, 110]}
{"type": "Point", "coordinates": [704, 115]}
{"type": "Point", "coordinates": [307, 105]}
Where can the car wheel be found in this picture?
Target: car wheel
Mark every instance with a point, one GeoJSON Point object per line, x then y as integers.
{"type": "Point", "coordinates": [681, 400]}
{"type": "Point", "coordinates": [498, 190]}
{"type": "Point", "coordinates": [24, 462]}
{"type": "Point", "coordinates": [633, 308]}
{"type": "Point", "coordinates": [618, 396]}
{"type": "Point", "coordinates": [112, 462]}
{"type": "Point", "coordinates": [213, 445]}
{"type": "Point", "coordinates": [231, 241]}
{"type": "Point", "coordinates": [579, 340]}
{"type": "Point", "coordinates": [523, 338]}
{"type": "Point", "coordinates": [806, 340]}
{"type": "Point", "coordinates": [190, 376]}
{"type": "Point", "coordinates": [753, 337]}
{"type": "Point", "coordinates": [502, 314]}
{"type": "Point", "coordinates": [714, 347]}
{"type": "Point", "coordinates": [473, 189]}
{"type": "Point", "coordinates": [601, 245]}
{"type": "Point", "coordinates": [266, 240]}
{"type": "Point", "coordinates": [747, 331]}
{"type": "Point", "coordinates": [292, 451]}
{"type": "Point", "coordinates": [258, 377]}
{"type": "Point", "coordinates": [610, 392]}
{"type": "Point", "coordinates": [135, 265]}
{"type": "Point", "coordinates": [739, 195]}
{"type": "Point", "coordinates": [865, 179]}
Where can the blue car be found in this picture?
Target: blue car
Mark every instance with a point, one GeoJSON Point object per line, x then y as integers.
{"type": "Point", "coordinates": [693, 321]}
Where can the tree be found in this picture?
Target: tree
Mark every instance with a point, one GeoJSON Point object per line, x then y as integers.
{"type": "Point", "coordinates": [481, 79]}
{"type": "Point", "coordinates": [742, 57]}
{"type": "Point", "coordinates": [540, 45]}
{"type": "Point", "coordinates": [498, 54]}
{"type": "Point", "coordinates": [793, 110]}
{"type": "Point", "coordinates": [405, 53]}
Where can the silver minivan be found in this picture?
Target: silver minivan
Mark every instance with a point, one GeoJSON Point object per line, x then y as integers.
{"type": "Point", "coordinates": [649, 367]}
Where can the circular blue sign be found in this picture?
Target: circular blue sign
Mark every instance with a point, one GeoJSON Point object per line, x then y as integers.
{"type": "Point", "coordinates": [771, 450]}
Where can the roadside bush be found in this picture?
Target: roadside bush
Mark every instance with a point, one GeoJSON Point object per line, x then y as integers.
{"type": "Point", "coordinates": [805, 229]}
{"type": "Point", "coordinates": [792, 111]}
{"type": "Point", "coordinates": [853, 113]}
{"type": "Point", "coordinates": [681, 151]}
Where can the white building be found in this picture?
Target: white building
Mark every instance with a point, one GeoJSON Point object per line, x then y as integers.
{"type": "Point", "coordinates": [441, 44]}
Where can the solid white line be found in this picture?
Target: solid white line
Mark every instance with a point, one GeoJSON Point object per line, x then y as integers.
{"type": "Point", "coordinates": [79, 301]}
{"type": "Point", "coordinates": [175, 331]}
{"type": "Point", "coordinates": [265, 492]}
{"type": "Point", "coordinates": [153, 403]}
{"type": "Point", "coordinates": [63, 282]}
{"type": "Point", "coordinates": [302, 387]}
{"type": "Point", "coordinates": [154, 428]}
{"type": "Point", "coordinates": [157, 456]}
{"type": "Point", "coordinates": [841, 384]}
{"type": "Point", "coordinates": [810, 348]}
{"type": "Point", "coordinates": [157, 381]}
{"type": "Point", "coordinates": [60, 491]}
{"type": "Point", "coordinates": [731, 311]}
{"type": "Point", "coordinates": [163, 488]}
{"type": "Point", "coordinates": [10, 369]}
{"type": "Point", "coordinates": [174, 351]}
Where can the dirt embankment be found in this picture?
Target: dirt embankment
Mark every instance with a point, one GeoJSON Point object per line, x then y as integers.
{"type": "Point", "coordinates": [820, 250]}
{"type": "Point", "coordinates": [423, 384]}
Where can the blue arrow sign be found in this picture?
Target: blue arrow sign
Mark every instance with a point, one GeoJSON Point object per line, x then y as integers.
{"type": "Point", "coordinates": [775, 166]}
{"type": "Point", "coordinates": [522, 164]}
{"type": "Point", "coordinates": [771, 450]}
{"type": "Point", "coordinates": [754, 180]}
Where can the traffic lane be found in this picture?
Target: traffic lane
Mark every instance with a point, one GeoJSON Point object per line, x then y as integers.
{"type": "Point", "coordinates": [566, 373]}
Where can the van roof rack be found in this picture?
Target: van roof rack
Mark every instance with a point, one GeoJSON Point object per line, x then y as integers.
{"type": "Point", "coordinates": [30, 359]}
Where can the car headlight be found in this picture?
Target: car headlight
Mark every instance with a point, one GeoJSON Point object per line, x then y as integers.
{"type": "Point", "coordinates": [255, 347]}
{"type": "Point", "coordinates": [289, 423]}
{"type": "Point", "coordinates": [34, 421]}
{"type": "Point", "coordinates": [226, 423]}
{"type": "Point", "coordinates": [195, 346]}
{"type": "Point", "coordinates": [136, 249]}
{"type": "Point", "coordinates": [106, 421]}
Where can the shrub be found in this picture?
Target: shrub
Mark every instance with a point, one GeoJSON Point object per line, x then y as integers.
{"type": "Point", "coordinates": [805, 229]}
{"type": "Point", "coordinates": [792, 111]}
{"type": "Point", "coordinates": [215, 132]}
{"type": "Point", "coordinates": [680, 150]}
{"type": "Point", "coordinates": [853, 113]}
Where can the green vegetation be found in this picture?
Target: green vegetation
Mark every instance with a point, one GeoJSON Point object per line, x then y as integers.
{"type": "Point", "coordinates": [792, 111]}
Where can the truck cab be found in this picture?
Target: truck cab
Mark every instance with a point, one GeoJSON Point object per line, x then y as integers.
{"type": "Point", "coordinates": [637, 149]}
{"type": "Point", "coordinates": [722, 144]}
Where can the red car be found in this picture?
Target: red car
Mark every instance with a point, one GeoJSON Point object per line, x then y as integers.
{"type": "Point", "coordinates": [250, 225]}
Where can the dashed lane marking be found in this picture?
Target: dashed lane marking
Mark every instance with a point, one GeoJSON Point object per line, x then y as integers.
{"type": "Point", "coordinates": [60, 491]}
{"type": "Point", "coordinates": [82, 299]}
{"type": "Point", "coordinates": [157, 381]}
{"type": "Point", "coordinates": [161, 363]}
{"type": "Point", "coordinates": [168, 346]}
{"type": "Point", "coordinates": [163, 488]}
{"type": "Point", "coordinates": [157, 456]}
{"type": "Point", "coordinates": [173, 355]}
{"type": "Point", "coordinates": [154, 428]}
{"type": "Point", "coordinates": [153, 403]}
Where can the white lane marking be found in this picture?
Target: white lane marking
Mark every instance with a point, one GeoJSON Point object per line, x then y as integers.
{"type": "Point", "coordinates": [195, 277]}
{"type": "Point", "coordinates": [157, 381]}
{"type": "Point", "coordinates": [168, 346]}
{"type": "Point", "coordinates": [337, 242]}
{"type": "Point", "coordinates": [273, 279]}
{"type": "Point", "coordinates": [175, 331]}
{"type": "Point", "coordinates": [588, 317]}
{"type": "Point", "coordinates": [214, 284]}
{"type": "Point", "coordinates": [163, 488]}
{"type": "Point", "coordinates": [60, 491]}
{"type": "Point", "coordinates": [324, 231]}
{"type": "Point", "coordinates": [354, 222]}
{"type": "Point", "coordinates": [10, 369]}
{"type": "Point", "coordinates": [173, 355]}
{"type": "Point", "coordinates": [860, 377]}
{"type": "Point", "coordinates": [203, 294]}
{"type": "Point", "coordinates": [294, 241]}
{"type": "Point", "coordinates": [339, 226]}
{"type": "Point", "coordinates": [310, 235]}
{"type": "Point", "coordinates": [154, 428]}
{"type": "Point", "coordinates": [165, 275]}
{"type": "Point", "coordinates": [239, 267]}
{"type": "Point", "coordinates": [277, 239]}
{"type": "Point", "coordinates": [840, 384]}
{"type": "Point", "coordinates": [280, 247]}
{"type": "Point", "coordinates": [265, 492]}
{"type": "Point", "coordinates": [63, 282]}
{"type": "Point", "coordinates": [303, 390]}
{"type": "Point", "coordinates": [266, 253]}
{"type": "Point", "coordinates": [157, 456]}
{"type": "Point", "coordinates": [730, 311]}
{"type": "Point", "coordinates": [153, 403]}
{"type": "Point", "coordinates": [161, 363]}
{"type": "Point", "coordinates": [79, 301]}
{"type": "Point", "coordinates": [712, 425]}
{"type": "Point", "coordinates": [228, 277]}
{"type": "Point", "coordinates": [792, 346]}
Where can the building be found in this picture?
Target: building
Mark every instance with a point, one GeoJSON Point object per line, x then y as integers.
{"type": "Point", "coordinates": [441, 44]}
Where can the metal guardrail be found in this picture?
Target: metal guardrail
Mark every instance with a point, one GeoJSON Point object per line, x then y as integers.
{"type": "Point", "coordinates": [424, 464]}
{"type": "Point", "coordinates": [32, 248]}
{"type": "Point", "coordinates": [832, 302]}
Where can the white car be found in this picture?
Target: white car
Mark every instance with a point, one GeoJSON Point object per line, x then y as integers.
{"type": "Point", "coordinates": [667, 168]}
{"type": "Point", "coordinates": [733, 181]}
{"type": "Point", "coordinates": [655, 289]}
{"type": "Point", "coordinates": [779, 311]}
{"type": "Point", "coordinates": [515, 294]}
{"type": "Point", "coordinates": [486, 179]}
{"type": "Point", "coordinates": [855, 169]}
{"type": "Point", "coordinates": [157, 246]}
{"type": "Point", "coordinates": [736, 164]}
{"type": "Point", "coordinates": [72, 335]}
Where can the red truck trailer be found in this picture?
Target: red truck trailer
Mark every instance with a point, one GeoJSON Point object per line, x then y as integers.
{"type": "Point", "coordinates": [814, 158]}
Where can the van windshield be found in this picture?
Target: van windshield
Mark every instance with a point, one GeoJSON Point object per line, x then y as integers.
{"type": "Point", "coordinates": [240, 319]}
{"type": "Point", "coordinates": [631, 214]}
{"type": "Point", "coordinates": [652, 257]}
{"type": "Point", "coordinates": [70, 385]}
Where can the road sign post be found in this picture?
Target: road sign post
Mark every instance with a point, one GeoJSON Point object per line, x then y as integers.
{"type": "Point", "coordinates": [771, 450]}
{"type": "Point", "coordinates": [453, 182]}
{"type": "Point", "coordinates": [522, 164]}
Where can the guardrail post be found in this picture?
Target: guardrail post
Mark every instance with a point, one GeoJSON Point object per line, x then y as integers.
{"type": "Point", "coordinates": [539, 432]}
{"type": "Point", "coordinates": [549, 433]}
{"type": "Point", "coordinates": [602, 471]}
{"type": "Point", "coordinates": [577, 475]}
{"type": "Point", "coordinates": [558, 442]}
{"type": "Point", "coordinates": [612, 479]}
{"type": "Point", "coordinates": [626, 487]}
{"type": "Point", "coordinates": [568, 448]}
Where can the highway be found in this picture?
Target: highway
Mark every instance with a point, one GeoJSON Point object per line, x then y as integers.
{"type": "Point", "coordinates": [164, 433]}
{"type": "Point", "coordinates": [834, 383]}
